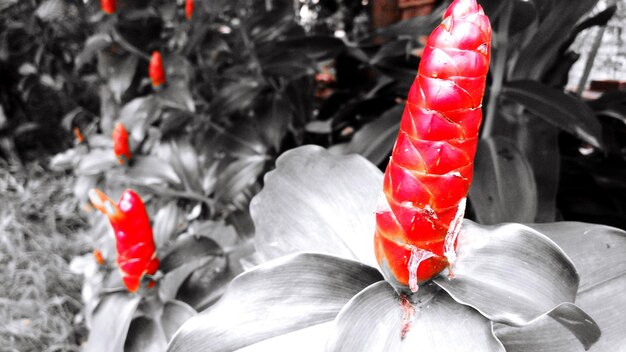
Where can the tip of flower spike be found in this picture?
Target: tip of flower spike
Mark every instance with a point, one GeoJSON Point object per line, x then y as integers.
{"type": "Point", "coordinates": [156, 72]}
{"type": "Point", "coordinates": [104, 204]}
{"type": "Point", "coordinates": [460, 8]}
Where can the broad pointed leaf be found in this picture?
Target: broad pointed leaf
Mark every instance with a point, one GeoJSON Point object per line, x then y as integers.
{"type": "Point", "coordinates": [183, 158]}
{"type": "Point", "coordinates": [510, 273]}
{"type": "Point", "coordinates": [93, 44]}
{"type": "Point", "coordinates": [317, 202]}
{"type": "Point", "coordinates": [111, 321]}
{"type": "Point", "coordinates": [170, 284]}
{"type": "Point", "coordinates": [177, 94]}
{"type": "Point", "coordinates": [187, 249]}
{"type": "Point", "coordinates": [503, 189]}
{"type": "Point", "coordinates": [598, 252]}
{"type": "Point", "coordinates": [51, 10]}
{"type": "Point", "coordinates": [557, 19]}
{"type": "Point", "coordinates": [119, 70]}
{"type": "Point", "coordinates": [168, 221]}
{"type": "Point", "coordinates": [145, 335]}
{"type": "Point", "coordinates": [563, 111]}
{"type": "Point", "coordinates": [137, 115]}
{"type": "Point", "coordinates": [552, 330]}
{"type": "Point", "coordinates": [96, 162]}
{"type": "Point", "coordinates": [207, 284]}
{"type": "Point", "coordinates": [151, 169]}
{"type": "Point", "coordinates": [175, 313]}
{"type": "Point", "coordinates": [275, 298]}
{"type": "Point", "coordinates": [311, 339]}
{"type": "Point", "coordinates": [376, 319]}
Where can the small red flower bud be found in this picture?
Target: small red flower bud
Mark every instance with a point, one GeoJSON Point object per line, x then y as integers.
{"type": "Point", "coordinates": [155, 69]}
{"type": "Point", "coordinates": [431, 165]}
{"type": "Point", "coordinates": [98, 257]}
{"type": "Point", "coordinates": [136, 251]}
{"type": "Point", "coordinates": [120, 143]}
{"type": "Point", "coordinates": [79, 136]}
{"type": "Point", "coordinates": [188, 8]}
{"type": "Point", "coordinates": [107, 6]}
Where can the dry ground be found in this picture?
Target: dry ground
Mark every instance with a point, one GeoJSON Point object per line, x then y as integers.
{"type": "Point", "coordinates": [39, 234]}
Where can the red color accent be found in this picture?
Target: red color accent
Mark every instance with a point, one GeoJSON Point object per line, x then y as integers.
{"type": "Point", "coordinates": [155, 69]}
{"type": "Point", "coordinates": [98, 256]}
{"type": "Point", "coordinates": [79, 136]}
{"type": "Point", "coordinates": [136, 251]}
{"type": "Point", "coordinates": [108, 6]}
{"type": "Point", "coordinates": [121, 147]}
{"type": "Point", "coordinates": [431, 166]}
{"type": "Point", "coordinates": [189, 8]}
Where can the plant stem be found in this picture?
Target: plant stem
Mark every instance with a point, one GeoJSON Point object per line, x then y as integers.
{"type": "Point", "coordinates": [501, 43]}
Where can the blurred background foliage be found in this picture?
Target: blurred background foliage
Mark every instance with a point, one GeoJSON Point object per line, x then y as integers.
{"type": "Point", "coordinates": [247, 80]}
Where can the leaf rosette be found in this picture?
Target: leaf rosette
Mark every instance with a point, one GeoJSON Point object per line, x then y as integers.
{"type": "Point", "coordinates": [512, 288]}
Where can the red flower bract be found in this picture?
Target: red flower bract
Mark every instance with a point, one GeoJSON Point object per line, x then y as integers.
{"type": "Point", "coordinates": [155, 69]}
{"type": "Point", "coordinates": [121, 148]}
{"type": "Point", "coordinates": [431, 166]}
{"type": "Point", "coordinates": [189, 8]}
{"type": "Point", "coordinates": [107, 6]}
{"type": "Point", "coordinates": [136, 252]}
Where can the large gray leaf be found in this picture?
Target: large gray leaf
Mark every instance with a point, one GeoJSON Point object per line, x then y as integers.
{"type": "Point", "coordinates": [375, 319]}
{"type": "Point", "coordinates": [93, 44]}
{"type": "Point", "coordinates": [175, 313]}
{"type": "Point", "coordinates": [275, 298]}
{"type": "Point", "coordinates": [311, 339]}
{"type": "Point", "coordinates": [599, 253]}
{"type": "Point", "coordinates": [510, 273]}
{"type": "Point", "coordinates": [168, 221]}
{"type": "Point", "coordinates": [150, 169]}
{"type": "Point", "coordinates": [111, 321]}
{"type": "Point", "coordinates": [96, 162]}
{"type": "Point", "coordinates": [504, 187]}
{"type": "Point", "coordinates": [563, 111]}
{"type": "Point", "coordinates": [119, 71]}
{"type": "Point", "coordinates": [145, 335]}
{"type": "Point", "coordinates": [318, 202]}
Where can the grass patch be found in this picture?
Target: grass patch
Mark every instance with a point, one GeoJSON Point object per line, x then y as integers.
{"type": "Point", "coordinates": [40, 225]}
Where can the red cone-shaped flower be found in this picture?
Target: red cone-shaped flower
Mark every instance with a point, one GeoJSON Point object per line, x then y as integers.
{"type": "Point", "coordinates": [431, 166]}
{"type": "Point", "coordinates": [136, 252]}
{"type": "Point", "coordinates": [155, 69]}
{"type": "Point", "coordinates": [78, 135]}
{"type": "Point", "coordinates": [189, 8]}
{"type": "Point", "coordinates": [107, 6]}
{"type": "Point", "coordinates": [121, 147]}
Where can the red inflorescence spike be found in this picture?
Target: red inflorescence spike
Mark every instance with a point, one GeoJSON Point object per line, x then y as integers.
{"type": "Point", "coordinates": [431, 165]}
{"type": "Point", "coordinates": [121, 147]}
{"type": "Point", "coordinates": [136, 251]}
{"type": "Point", "coordinates": [108, 6]}
{"type": "Point", "coordinates": [156, 70]}
{"type": "Point", "coordinates": [189, 9]}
